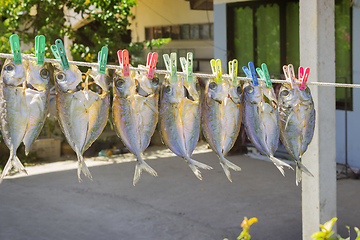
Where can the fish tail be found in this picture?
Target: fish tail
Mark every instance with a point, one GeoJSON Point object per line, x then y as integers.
{"type": "Point", "coordinates": [226, 164]}
{"type": "Point", "coordinates": [82, 168]}
{"type": "Point", "coordinates": [194, 165]}
{"type": "Point", "coordinates": [299, 169]}
{"type": "Point", "coordinates": [142, 165]}
{"type": "Point", "coordinates": [12, 161]}
{"type": "Point", "coordinates": [279, 164]}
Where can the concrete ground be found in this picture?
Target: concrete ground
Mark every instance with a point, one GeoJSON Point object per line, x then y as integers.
{"type": "Point", "coordinates": [51, 204]}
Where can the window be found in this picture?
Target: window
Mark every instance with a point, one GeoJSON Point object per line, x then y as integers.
{"type": "Point", "coordinates": [268, 31]}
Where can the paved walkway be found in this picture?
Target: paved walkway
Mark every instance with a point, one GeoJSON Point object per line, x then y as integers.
{"type": "Point", "coordinates": [52, 204]}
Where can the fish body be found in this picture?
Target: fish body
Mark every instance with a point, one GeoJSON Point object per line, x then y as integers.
{"type": "Point", "coordinates": [79, 111]}
{"type": "Point", "coordinates": [297, 123]}
{"type": "Point", "coordinates": [221, 119]}
{"type": "Point", "coordinates": [261, 120]}
{"type": "Point", "coordinates": [135, 115]}
{"type": "Point", "coordinates": [37, 99]}
{"type": "Point", "coordinates": [14, 113]}
{"type": "Point", "coordinates": [180, 120]}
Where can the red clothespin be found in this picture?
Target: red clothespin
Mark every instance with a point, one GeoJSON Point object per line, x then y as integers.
{"type": "Point", "coordinates": [151, 64]}
{"type": "Point", "coordinates": [123, 56]}
{"type": "Point", "coordinates": [303, 77]}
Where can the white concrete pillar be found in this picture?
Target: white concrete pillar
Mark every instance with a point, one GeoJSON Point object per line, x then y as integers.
{"type": "Point", "coordinates": [317, 51]}
{"type": "Point", "coordinates": [220, 34]}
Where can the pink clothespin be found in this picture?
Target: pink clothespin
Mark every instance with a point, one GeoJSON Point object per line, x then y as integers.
{"type": "Point", "coordinates": [151, 64]}
{"type": "Point", "coordinates": [123, 56]}
{"type": "Point", "coordinates": [303, 77]}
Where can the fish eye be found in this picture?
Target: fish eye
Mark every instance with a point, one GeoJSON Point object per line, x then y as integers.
{"type": "Point", "coordinates": [44, 73]}
{"type": "Point", "coordinates": [60, 76]}
{"type": "Point", "coordinates": [120, 82]}
{"type": "Point", "coordinates": [249, 89]}
{"type": "Point", "coordinates": [307, 91]}
{"type": "Point", "coordinates": [284, 93]}
{"type": "Point", "coordinates": [9, 67]}
{"type": "Point", "coordinates": [239, 90]}
{"type": "Point", "coordinates": [212, 86]}
{"type": "Point", "coordinates": [155, 81]}
{"type": "Point", "coordinates": [167, 89]}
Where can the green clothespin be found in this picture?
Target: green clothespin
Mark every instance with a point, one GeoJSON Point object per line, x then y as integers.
{"type": "Point", "coordinates": [15, 48]}
{"type": "Point", "coordinates": [216, 69]}
{"type": "Point", "coordinates": [171, 65]}
{"type": "Point", "coordinates": [40, 49]}
{"type": "Point", "coordinates": [187, 66]}
{"type": "Point", "coordinates": [102, 59]}
{"type": "Point", "coordinates": [55, 51]}
{"type": "Point", "coordinates": [62, 55]}
{"type": "Point", "coordinates": [233, 70]}
{"type": "Point", "coordinates": [264, 74]}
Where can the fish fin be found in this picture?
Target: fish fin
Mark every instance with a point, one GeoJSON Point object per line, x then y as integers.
{"type": "Point", "coordinates": [152, 107]}
{"type": "Point", "coordinates": [142, 165]}
{"type": "Point", "coordinates": [279, 164]}
{"type": "Point", "coordinates": [288, 120]}
{"type": "Point", "coordinates": [194, 165]}
{"type": "Point", "coordinates": [299, 169]}
{"type": "Point", "coordinates": [82, 168]}
{"type": "Point", "coordinates": [226, 164]}
{"type": "Point", "coordinates": [12, 161]}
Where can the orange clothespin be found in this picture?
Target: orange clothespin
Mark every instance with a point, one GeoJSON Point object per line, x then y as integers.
{"type": "Point", "coordinates": [123, 56]}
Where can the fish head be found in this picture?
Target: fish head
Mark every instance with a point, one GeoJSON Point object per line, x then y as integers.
{"type": "Point", "coordinates": [172, 93]}
{"type": "Point", "coordinates": [38, 76]}
{"type": "Point", "coordinates": [217, 92]}
{"type": "Point", "coordinates": [13, 74]}
{"type": "Point", "coordinates": [124, 86]}
{"type": "Point", "coordinates": [67, 80]}
{"type": "Point", "coordinates": [269, 96]}
{"type": "Point", "coordinates": [101, 79]}
{"type": "Point", "coordinates": [252, 94]}
{"type": "Point", "coordinates": [305, 96]}
{"type": "Point", "coordinates": [190, 90]}
{"type": "Point", "coordinates": [235, 93]}
{"type": "Point", "coordinates": [288, 96]}
{"type": "Point", "coordinates": [145, 85]}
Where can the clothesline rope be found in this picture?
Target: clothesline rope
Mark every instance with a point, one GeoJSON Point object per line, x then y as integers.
{"type": "Point", "coordinates": [87, 64]}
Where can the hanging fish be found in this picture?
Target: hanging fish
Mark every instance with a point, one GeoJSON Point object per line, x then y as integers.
{"type": "Point", "coordinates": [180, 120]}
{"type": "Point", "coordinates": [37, 93]}
{"type": "Point", "coordinates": [135, 114]}
{"type": "Point", "coordinates": [221, 119]}
{"type": "Point", "coordinates": [297, 121]}
{"type": "Point", "coordinates": [261, 118]}
{"type": "Point", "coordinates": [14, 112]}
{"type": "Point", "coordinates": [82, 113]}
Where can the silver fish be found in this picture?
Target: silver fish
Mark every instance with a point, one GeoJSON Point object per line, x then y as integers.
{"type": "Point", "coordinates": [180, 121]}
{"type": "Point", "coordinates": [14, 113]}
{"type": "Point", "coordinates": [79, 111]}
{"type": "Point", "coordinates": [297, 123]}
{"type": "Point", "coordinates": [261, 120]}
{"type": "Point", "coordinates": [37, 99]}
{"type": "Point", "coordinates": [221, 119]}
{"type": "Point", "coordinates": [135, 115]}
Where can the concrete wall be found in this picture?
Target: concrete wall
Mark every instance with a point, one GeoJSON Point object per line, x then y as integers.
{"type": "Point", "coordinates": [152, 13]}
{"type": "Point", "coordinates": [353, 116]}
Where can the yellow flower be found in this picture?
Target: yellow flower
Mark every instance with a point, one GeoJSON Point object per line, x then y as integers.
{"type": "Point", "coordinates": [244, 235]}
{"type": "Point", "coordinates": [325, 232]}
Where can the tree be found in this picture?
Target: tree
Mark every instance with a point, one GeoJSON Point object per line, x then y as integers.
{"type": "Point", "coordinates": [107, 23]}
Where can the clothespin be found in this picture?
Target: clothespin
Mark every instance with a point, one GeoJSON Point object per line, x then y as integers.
{"type": "Point", "coordinates": [246, 71]}
{"type": "Point", "coordinates": [40, 49]}
{"type": "Point", "coordinates": [216, 69]}
{"type": "Point", "coordinates": [171, 65]}
{"type": "Point", "coordinates": [187, 66]}
{"type": "Point", "coordinates": [303, 77]}
{"type": "Point", "coordinates": [253, 74]}
{"type": "Point", "coordinates": [102, 59]}
{"type": "Point", "coordinates": [233, 70]}
{"type": "Point", "coordinates": [59, 53]}
{"type": "Point", "coordinates": [123, 56]}
{"type": "Point", "coordinates": [15, 48]}
{"type": "Point", "coordinates": [264, 74]}
{"type": "Point", "coordinates": [289, 74]}
{"type": "Point", "coordinates": [151, 64]}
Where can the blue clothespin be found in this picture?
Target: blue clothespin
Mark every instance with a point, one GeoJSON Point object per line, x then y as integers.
{"type": "Point", "coordinates": [40, 49]}
{"type": "Point", "coordinates": [171, 65]}
{"type": "Point", "coordinates": [15, 48]}
{"type": "Point", "coordinates": [60, 53]}
{"type": "Point", "coordinates": [253, 74]}
{"type": "Point", "coordinates": [102, 59]}
{"type": "Point", "coordinates": [246, 71]}
{"type": "Point", "coordinates": [264, 74]}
